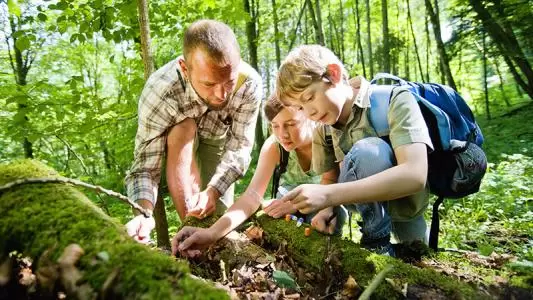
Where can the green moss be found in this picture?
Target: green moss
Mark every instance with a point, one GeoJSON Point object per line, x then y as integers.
{"type": "Point", "coordinates": [40, 217]}
{"type": "Point", "coordinates": [361, 264]}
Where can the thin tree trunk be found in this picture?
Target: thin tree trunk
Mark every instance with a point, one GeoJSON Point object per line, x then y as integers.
{"type": "Point", "coordinates": [251, 33]}
{"type": "Point", "coordinates": [386, 42]}
{"type": "Point", "coordinates": [20, 68]}
{"type": "Point", "coordinates": [298, 25]}
{"type": "Point", "coordinates": [502, 90]}
{"type": "Point", "coordinates": [445, 63]}
{"type": "Point", "coordinates": [410, 21]}
{"type": "Point", "coordinates": [317, 24]}
{"type": "Point", "coordinates": [276, 33]}
{"type": "Point", "coordinates": [318, 15]}
{"type": "Point", "coordinates": [485, 87]}
{"type": "Point", "coordinates": [159, 213]}
{"type": "Point", "coordinates": [369, 39]}
{"type": "Point", "coordinates": [146, 40]}
{"type": "Point", "coordinates": [341, 32]}
{"type": "Point", "coordinates": [358, 33]}
{"type": "Point", "coordinates": [507, 43]}
{"type": "Point", "coordinates": [428, 46]}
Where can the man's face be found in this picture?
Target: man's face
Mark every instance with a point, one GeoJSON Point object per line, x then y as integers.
{"type": "Point", "coordinates": [213, 82]}
{"type": "Point", "coordinates": [321, 102]}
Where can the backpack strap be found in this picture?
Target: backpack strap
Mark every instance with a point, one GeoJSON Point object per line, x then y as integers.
{"type": "Point", "coordinates": [279, 170]}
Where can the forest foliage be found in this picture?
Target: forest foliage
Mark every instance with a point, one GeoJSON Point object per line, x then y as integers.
{"type": "Point", "coordinates": [72, 71]}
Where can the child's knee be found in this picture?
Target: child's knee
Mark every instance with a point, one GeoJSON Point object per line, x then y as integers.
{"type": "Point", "coordinates": [367, 157]}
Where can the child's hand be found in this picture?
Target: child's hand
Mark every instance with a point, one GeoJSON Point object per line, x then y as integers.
{"type": "Point", "coordinates": [278, 208]}
{"type": "Point", "coordinates": [308, 198]}
{"type": "Point", "coordinates": [325, 221]}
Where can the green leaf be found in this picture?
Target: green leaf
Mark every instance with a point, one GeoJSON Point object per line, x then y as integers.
{"type": "Point", "coordinates": [485, 249]}
{"type": "Point", "coordinates": [22, 43]}
{"type": "Point", "coordinates": [42, 17]}
{"type": "Point", "coordinates": [13, 7]}
{"type": "Point", "coordinates": [103, 255]}
{"type": "Point", "coordinates": [282, 279]}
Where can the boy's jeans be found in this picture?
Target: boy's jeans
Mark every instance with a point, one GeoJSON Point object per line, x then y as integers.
{"type": "Point", "coordinates": [368, 157]}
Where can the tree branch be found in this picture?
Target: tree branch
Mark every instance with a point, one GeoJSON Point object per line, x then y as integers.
{"type": "Point", "coordinates": [78, 183]}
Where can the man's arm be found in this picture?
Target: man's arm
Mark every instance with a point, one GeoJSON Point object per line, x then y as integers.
{"type": "Point", "coordinates": [142, 180]}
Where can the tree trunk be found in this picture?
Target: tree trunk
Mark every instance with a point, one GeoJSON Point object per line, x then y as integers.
{"type": "Point", "coordinates": [445, 63]}
{"type": "Point", "coordinates": [160, 214]}
{"type": "Point", "coordinates": [410, 21]}
{"type": "Point", "coordinates": [317, 23]}
{"type": "Point", "coordinates": [146, 40]}
{"type": "Point", "coordinates": [341, 31]}
{"type": "Point", "coordinates": [276, 33]}
{"type": "Point", "coordinates": [293, 39]}
{"type": "Point", "coordinates": [369, 40]}
{"type": "Point", "coordinates": [485, 87]}
{"type": "Point", "coordinates": [428, 47]}
{"type": "Point", "coordinates": [20, 68]}
{"type": "Point", "coordinates": [507, 44]}
{"type": "Point", "coordinates": [358, 34]}
{"type": "Point", "coordinates": [41, 220]}
{"type": "Point", "coordinates": [386, 42]}
{"type": "Point", "coordinates": [251, 34]}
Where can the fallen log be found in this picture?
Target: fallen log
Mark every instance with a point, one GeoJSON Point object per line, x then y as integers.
{"type": "Point", "coordinates": [57, 227]}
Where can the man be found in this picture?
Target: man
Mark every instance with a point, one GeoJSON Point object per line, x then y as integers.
{"type": "Point", "coordinates": [200, 109]}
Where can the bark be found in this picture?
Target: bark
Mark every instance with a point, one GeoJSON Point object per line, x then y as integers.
{"type": "Point", "coordinates": [20, 68]}
{"type": "Point", "coordinates": [251, 34]}
{"type": "Point", "coordinates": [358, 33]}
{"type": "Point", "coordinates": [317, 24]}
{"type": "Point", "coordinates": [386, 41]}
{"type": "Point", "coordinates": [160, 214]}
{"type": "Point", "coordinates": [146, 40]}
{"type": "Point", "coordinates": [485, 87]}
{"type": "Point", "coordinates": [41, 220]}
{"type": "Point", "coordinates": [410, 21]}
{"type": "Point", "coordinates": [276, 33]}
{"type": "Point", "coordinates": [293, 39]}
{"type": "Point", "coordinates": [444, 60]}
{"type": "Point", "coordinates": [369, 40]}
{"type": "Point", "coordinates": [507, 44]}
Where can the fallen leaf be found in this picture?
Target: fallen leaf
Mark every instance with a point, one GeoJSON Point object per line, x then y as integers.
{"type": "Point", "coordinates": [351, 288]}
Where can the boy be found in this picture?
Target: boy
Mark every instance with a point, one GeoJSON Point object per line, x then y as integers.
{"type": "Point", "coordinates": [384, 182]}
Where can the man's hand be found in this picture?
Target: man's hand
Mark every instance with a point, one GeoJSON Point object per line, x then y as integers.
{"type": "Point", "coordinates": [325, 221]}
{"type": "Point", "coordinates": [308, 198]}
{"type": "Point", "coordinates": [278, 208]}
{"type": "Point", "coordinates": [204, 204]}
{"type": "Point", "coordinates": [140, 227]}
{"type": "Point", "coordinates": [189, 241]}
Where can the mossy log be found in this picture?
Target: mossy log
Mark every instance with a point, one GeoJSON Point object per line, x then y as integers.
{"type": "Point", "coordinates": [346, 258]}
{"type": "Point", "coordinates": [46, 218]}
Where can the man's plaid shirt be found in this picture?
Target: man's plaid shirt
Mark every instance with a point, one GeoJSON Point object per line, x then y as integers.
{"type": "Point", "coordinates": [167, 100]}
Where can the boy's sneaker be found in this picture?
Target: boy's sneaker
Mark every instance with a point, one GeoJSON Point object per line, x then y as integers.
{"type": "Point", "coordinates": [381, 246]}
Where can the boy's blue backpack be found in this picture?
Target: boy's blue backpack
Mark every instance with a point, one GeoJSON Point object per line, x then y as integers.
{"type": "Point", "coordinates": [457, 164]}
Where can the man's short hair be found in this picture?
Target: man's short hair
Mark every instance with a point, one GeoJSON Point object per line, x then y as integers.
{"type": "Point", "coordinates": [215, 38]}
{"type": "Point", "coordinates": [303, 66]}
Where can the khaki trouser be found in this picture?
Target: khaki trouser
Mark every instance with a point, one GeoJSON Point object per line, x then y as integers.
{"type": "Point", "coordinates": [209, 152]}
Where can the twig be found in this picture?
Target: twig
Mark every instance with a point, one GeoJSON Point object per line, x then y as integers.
{"type": "Point", "coordinates": [79, 183]}
{"type": "Point", "coordinates": [375, 282]}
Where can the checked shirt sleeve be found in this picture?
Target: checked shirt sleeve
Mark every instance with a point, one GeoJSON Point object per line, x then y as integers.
{"type": "Point", "coordinates": [155, 117]}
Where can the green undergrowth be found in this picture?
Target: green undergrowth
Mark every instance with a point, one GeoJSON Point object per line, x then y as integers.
{"type": "Point", "coordinates": [40, 217]}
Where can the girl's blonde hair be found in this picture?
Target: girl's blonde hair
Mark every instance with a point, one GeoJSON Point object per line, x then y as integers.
{"type": "Point", "coordinates": [303, 66]}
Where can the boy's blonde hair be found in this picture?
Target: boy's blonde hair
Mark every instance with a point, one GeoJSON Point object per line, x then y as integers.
{"type": "Point", "coordinates": [303, 66]}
